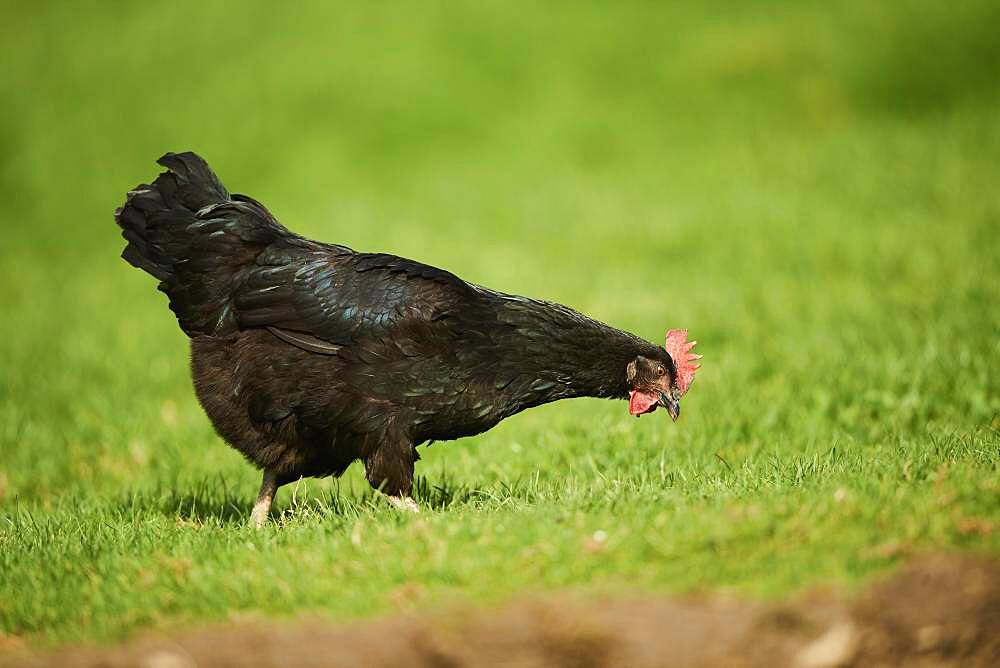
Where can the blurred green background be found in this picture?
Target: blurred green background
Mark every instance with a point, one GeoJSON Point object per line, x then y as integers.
{"type": "Point", "coordinates": [811, 188]}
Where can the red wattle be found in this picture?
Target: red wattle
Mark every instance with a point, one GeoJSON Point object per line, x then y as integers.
{"type": "Point", "coordinates": [640, 402]}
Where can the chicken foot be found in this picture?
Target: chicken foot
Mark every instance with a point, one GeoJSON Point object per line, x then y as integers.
{"type": "Point", "coordinates": [404, 503]}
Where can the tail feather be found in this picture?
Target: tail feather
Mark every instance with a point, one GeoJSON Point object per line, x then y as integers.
{"type": "Point", "coordinates": [190, 181]}
{"type": "Point", "coordinates": [186, 230]}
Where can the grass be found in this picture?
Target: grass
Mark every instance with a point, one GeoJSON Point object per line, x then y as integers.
{"type": "Point", "coordinates": [810, 189]}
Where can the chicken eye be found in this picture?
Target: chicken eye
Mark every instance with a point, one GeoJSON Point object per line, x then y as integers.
{"type": "Point", "coordinates": [660, 371]}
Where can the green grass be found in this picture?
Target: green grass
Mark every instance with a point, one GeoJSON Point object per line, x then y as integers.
{"type": "Point", "coordinates": [812, 190]}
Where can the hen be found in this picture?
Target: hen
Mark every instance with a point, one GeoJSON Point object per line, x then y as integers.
{"type": "Point", "coordinates": [308, 356]}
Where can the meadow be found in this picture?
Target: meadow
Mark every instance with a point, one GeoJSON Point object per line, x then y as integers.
{"type": "Point", "coordinates": [812, 190]}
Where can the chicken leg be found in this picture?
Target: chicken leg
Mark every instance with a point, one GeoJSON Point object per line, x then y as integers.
{"type": "Point", "coordinates": [268, 486]}
{"type": "Point", "coordinates": [390, 470]}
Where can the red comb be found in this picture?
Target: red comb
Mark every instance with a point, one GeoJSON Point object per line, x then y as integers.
{"type": "Point", "coordinates": [679, 349]}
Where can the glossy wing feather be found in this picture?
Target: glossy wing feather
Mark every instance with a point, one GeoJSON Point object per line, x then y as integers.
{"type": "Point", "coordinates": [343, 298]}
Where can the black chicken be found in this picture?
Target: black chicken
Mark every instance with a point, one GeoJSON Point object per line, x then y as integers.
{"type": "Point", "coordinates": [308, 356]}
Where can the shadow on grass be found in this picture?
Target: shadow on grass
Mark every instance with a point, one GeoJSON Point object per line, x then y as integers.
{"type": "Point", "coordinates": [213, 500]}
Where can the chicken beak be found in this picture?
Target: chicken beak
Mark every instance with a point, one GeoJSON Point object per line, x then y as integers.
{"type": "Point", "coordinates": [672, 405]}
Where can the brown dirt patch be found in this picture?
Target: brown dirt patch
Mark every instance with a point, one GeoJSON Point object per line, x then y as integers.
{"type": "Point", "coordinates": [937, 612]}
